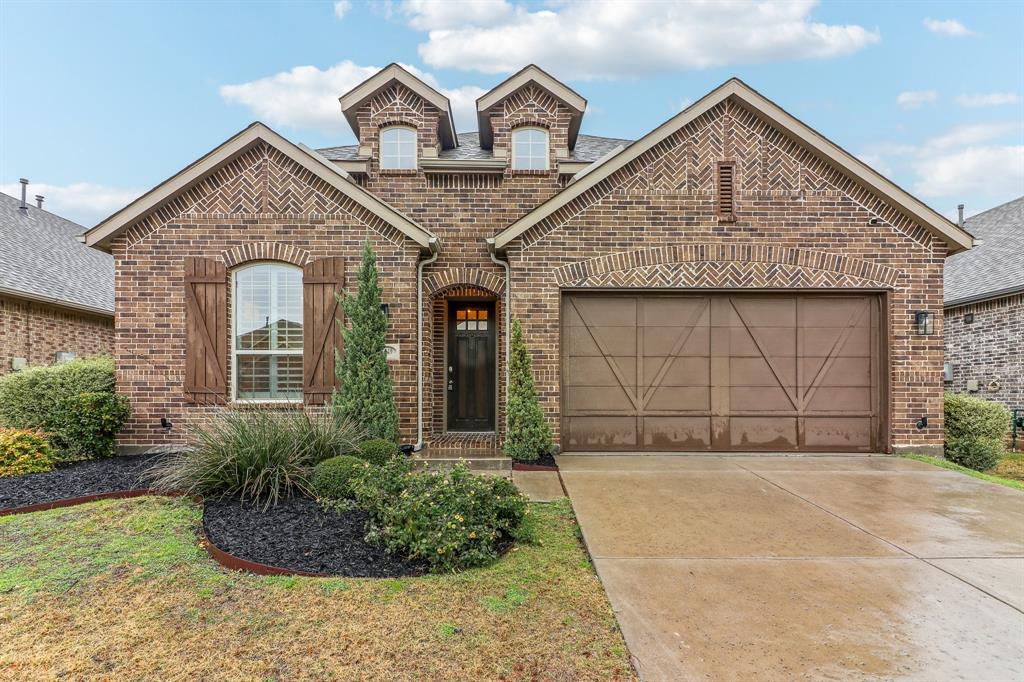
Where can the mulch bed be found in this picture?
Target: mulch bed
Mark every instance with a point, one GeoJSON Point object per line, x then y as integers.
{"type": "Point", "coordinates": [300, 535]}
{"type": "Point", "coordinates": [545, 462]}
{"type": "Point", "coordinates": [76, 479]}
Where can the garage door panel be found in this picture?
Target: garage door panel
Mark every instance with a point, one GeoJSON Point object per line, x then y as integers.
{"type": "Point", "coordinates": [596, 398]}
{"type": "Point", "coordinates": [832, 311]}
{"type": "Point", "coordinates": [840, 399]}
{"type": "Point", "coordinates": [663, 340]}
{"type": "Point", "coordinates": [763, 433]}
{"type": "Point", "coordinates": [582, 342]}
{"type": "Point", "coordinates": [776, 342]}
{"type": "Point", "coordinates": [839, 433]}
{"type": "Point", "coordinates": [679, 398]}
{"type": "Point", "coordinates": [759, 398]}
{"type": "Point", "coordinates": [602, 311]}
{"type": "Point", "coordinates": [673, 311]}
{"type": "Point", "coordinates": [817, 340]}
{"type": "Point", "coordinates": [677, 433]}
{"type": "Point", "coordinates": [744, 371]}
{"type": "Point", "coordinates": [600, 371]}
{"type": "Point", "coordinates": [765, 312]}
{"type": "Point", "coordinates": [597, 433]}
{"type": "Point", "coordinates": [677, 371]}
{"type": "Point", "coordinates": [839, 372]}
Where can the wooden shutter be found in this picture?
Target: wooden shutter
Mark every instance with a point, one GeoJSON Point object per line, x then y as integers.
{"type": "Point", "coordinates": [726, 186]}
{"type": "Point", "coordinates": [206, 330]}
{"type": "Point", "coordinates": [322, 282]}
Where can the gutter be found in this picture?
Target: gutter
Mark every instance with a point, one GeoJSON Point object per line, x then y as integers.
{"type": "Point", "coordinates": [435, 251]}
{"type": "Point", "coordinates": [493, 253]}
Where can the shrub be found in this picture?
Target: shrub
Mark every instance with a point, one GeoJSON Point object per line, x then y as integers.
{"type": "Point", "coordinates": [38, 398]}
{"type": "Point", "coordinates": [975, 431]}
{"type": "Point", "coordinates": [90, 421]}
{"type": "Point", "coordinates": [24, 452]}
{"type": "Point", "coordinates": [333, 478]}
{"type": "Point", "coordinates": [257, 455]}
{"type": "Point", "coordinates": [529, 435]}
{"type": "Point", "coordinates": [449, 521]}
{"type": "Point", "coordinates": [365, 395]}
{"type": "Point", "coordinates": [376, 451]}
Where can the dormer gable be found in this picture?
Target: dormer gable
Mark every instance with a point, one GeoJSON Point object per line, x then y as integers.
{"type": "Point", "coordinates": [532, 85]}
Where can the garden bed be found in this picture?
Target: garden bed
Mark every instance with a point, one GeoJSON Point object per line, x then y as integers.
{"type": "Point", "coordinates": [300, 535]}
{"type": "Point", "coordinates": [76, 479]}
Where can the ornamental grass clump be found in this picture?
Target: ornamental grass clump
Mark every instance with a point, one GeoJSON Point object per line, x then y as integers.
{"type": "Point", "coordinates": [450, 521]}
{"type": "Point", "coordinates": [975, 431]}
{"type": "Point", "coordinates": [23, 451]}
{"type": "Point", "coordinates": [256, 455]}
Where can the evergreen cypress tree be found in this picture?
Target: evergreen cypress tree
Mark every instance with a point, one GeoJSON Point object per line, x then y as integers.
{"type": "Point", "coordinates": [529, 435]}
{"type": "Point", "coordinates": [366, 396]}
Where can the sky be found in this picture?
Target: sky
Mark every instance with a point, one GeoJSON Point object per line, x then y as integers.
{"type": "Point", "coordinates": [100, 102]}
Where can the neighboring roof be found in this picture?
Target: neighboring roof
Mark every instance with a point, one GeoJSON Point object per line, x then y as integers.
{"type": "Point", "coordinates": [392, 73]}
{"type": "Point", "coordinates": [42, 260]}
{"type": "Point", "coordinates": [995, 266]}
{"type": "Point", "coordinates": [956, 238]}
{"type": "Point", "coordinates": [101, 235]}
{"type": "Point", "coordinates": [588, 148]}
{"type": "Point", "coordinates": [529, 74]}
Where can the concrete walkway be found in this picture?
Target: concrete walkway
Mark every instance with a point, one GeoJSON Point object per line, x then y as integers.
{"type": "Point", "coordinates": [738, 568]}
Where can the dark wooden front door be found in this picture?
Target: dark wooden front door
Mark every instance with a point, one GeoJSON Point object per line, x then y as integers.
{"type": "Point", "coordinates": [470, 370]}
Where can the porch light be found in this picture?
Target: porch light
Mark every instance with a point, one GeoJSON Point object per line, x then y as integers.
{"type": "Point", "coordinates": [386, 309]}
{"type": "Point", "coordinates": [924, 323]}
{"type": "Point", "coordinates": [969, 318]}
{"type": "Point", "coordinates": [922, 423]}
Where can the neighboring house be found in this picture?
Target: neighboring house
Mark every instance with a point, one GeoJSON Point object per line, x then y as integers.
{"type": "Point", "coordinates": [984, 309]}
{"type": "Point", "coordinates": [56, 294]}
{"type": "Point", "coordinates": [732, 281]}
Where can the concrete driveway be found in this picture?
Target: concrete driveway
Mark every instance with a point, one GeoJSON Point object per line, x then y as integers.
{"type": "Point", "coordinates": [738, 568]}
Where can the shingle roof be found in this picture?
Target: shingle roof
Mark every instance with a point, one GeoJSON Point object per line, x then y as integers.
{"type": "Point", "coordinates": [995, 266]}
{"type": "Point", "coordinates": [41, 258]}
{"type": "Point", "coordinates": [588, 148]}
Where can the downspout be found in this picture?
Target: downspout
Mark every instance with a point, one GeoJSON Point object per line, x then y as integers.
{"type": "Point", "coordinates": [492, 252]}
{"type": "Point", "coordinates": [435, 251]}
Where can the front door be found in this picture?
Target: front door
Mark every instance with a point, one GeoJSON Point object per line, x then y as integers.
{"type": "Point", "coordinates": [471, 357]}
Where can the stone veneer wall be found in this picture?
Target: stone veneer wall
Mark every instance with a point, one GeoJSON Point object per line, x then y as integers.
{"type": "Point", "coordinates": [37, 331]}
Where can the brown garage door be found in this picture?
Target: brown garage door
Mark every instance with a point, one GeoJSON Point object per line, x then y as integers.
{"type": "Point", "coordinates": [722, 372]}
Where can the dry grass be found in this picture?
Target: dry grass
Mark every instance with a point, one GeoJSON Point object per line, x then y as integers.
{"type": "Point", "coordinates": [121, 589]}
{"type": "Point", "coordinates": [1011, 466]}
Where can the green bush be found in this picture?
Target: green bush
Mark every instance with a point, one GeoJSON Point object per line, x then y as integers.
{"type": "Point", "coordinates": [975, 431]}
{"type": "Point", "coordinates": [90, 421]}
{"type": "Point", "coordinates": [333, 478]}
{"type": "Point", "coordinates": [24, 452]}
{"type": "Point", "coordinates": [449, 521]}
{"type": "Point", "coordinates": [257, 455]}
{"type": "Point", "coordinates": [529, 434]}
{"type": "Point", "coordinates": [38, 398]}
{"type": "Point", "coordinates": [376, 451]}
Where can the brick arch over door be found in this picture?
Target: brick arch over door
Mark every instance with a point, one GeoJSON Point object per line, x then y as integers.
{"type": "Point", "coordinates": [441, 281]}
{"type": "Point", "coordinates": [257, 251]}
{"type": "Point", "coordinates": [724, 265]}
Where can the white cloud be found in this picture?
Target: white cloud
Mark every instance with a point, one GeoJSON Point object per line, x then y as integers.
{"type": "Point", "coordinates": [993, 99]}
{"type": "Point", "coordinates": [82, 202]}
{"type": "Point", "coordinates": [576, 39]}
{"type": "Point", "coordinates": [987, 170]}
{"type": "Point", "coordinates": [307, 96]}
{"type": "Point", "coordinates": [948, 27]}
{"type": "Point", "coordinates": [969, 134]}
{"type": "Point", "coordinates": [912, 99]}
{"type": "Point", "coordinates": [341, 8]}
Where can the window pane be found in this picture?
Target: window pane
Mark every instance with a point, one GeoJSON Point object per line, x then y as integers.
{"type": "Point", "coordinates": [269, 377]}
{"type": "Point", "coordinates": [398, 148]}
{"type": "Point", "coordinates": [530, 149]}
{"type": "Point", "coordinates": [268, 308]}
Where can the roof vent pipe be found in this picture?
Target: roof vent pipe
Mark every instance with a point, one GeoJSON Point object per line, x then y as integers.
{"type": "Point", "coordinates": [24, 190]}
{"type": "Point", "coordinates": [960, 215]}
{"type": "Point", "coordinates": [39, 201]}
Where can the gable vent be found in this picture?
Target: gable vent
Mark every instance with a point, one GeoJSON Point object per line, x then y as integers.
{"type": "Point", "coordinates": [726, 188]}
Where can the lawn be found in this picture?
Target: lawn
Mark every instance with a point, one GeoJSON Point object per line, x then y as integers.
{"type": "Point", "coordinates": [122, 589]}
{"type": "Point", "coordinates": [1009, 471]}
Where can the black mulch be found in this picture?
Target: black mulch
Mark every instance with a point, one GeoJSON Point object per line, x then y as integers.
{"type": "Point", "coordinates": [545, 460]}
{"type": "Point", "coordinates": [76, 479]}
{"type": "Point", "coordinates": [300, 535]}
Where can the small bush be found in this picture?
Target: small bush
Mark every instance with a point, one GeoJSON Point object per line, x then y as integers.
{"type": "Point", "coordinates": [257, 455]}
{"type": "Point", "coordinates": [90, 421]}
{"type": "Point", "coordinates": [975, 431]}
{"type": "Point", "coordinates": [529, 435]}
{"type": "Point", "coordinates": [38, 398]}
{"type": "Point", "coordinates": [449, 521]}
{"type": "Point", "coordinates": [24, 452]}
{"type": "Point", "coordinates": [377, 451]}
{"type": "Point", "coordinates": [333, 478]}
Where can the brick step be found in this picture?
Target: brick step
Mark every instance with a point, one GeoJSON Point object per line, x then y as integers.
{"type": "Point", "coordinates": [447, 461]}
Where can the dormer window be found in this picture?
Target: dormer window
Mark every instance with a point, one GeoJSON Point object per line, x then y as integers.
{"type": "Point", "coordinates": [398, 148]}
{"type": "Point", "coordinates": [529, 149]}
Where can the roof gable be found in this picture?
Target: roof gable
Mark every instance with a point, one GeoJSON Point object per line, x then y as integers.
{"type": "Point", "coordinates": [956, 238]}
{"type": "Point", "coordinates": [575, 102]}
{"type": "Point", "coordinates": [101, 235]}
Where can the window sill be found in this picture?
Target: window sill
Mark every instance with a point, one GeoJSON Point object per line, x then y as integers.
{"type": "Point", "coordinates": [398, 171]}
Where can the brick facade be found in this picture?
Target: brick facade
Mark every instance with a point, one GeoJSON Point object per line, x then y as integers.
{"type": "Point", "coordinates": [37, 331]}
{"type": "Point", "coordinates": [989, 350]}
{"type": "Point", "coordinates": [800, 224]}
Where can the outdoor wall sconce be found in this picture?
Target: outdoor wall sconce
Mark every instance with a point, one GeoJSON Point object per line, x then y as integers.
{"type": "Point", "coordinates": [924, 323]}
{"type": "Point", "coordinates": [165, 423]}
{"type": "Point", "coordinates": [386, 309]}
{"type": "Point", "coordinates": [922, 423]}
{"type": "Point", "coordinates": [969, 318]}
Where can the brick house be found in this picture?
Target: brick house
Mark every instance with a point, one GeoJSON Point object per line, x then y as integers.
{"type": "Point", "coordinates": [56, 294]}
{"type": "Point", "coordinates": [984, 309]}
{"type": "Point", "coordinates": [731, 281]}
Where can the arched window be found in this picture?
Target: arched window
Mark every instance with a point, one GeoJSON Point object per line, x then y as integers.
{"type": "Point", "coordinates": [398, 147]}
{"type": "Point", "coordinates": [266, 333]}
{"type": "Point", "coordinates": [529, 149]}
